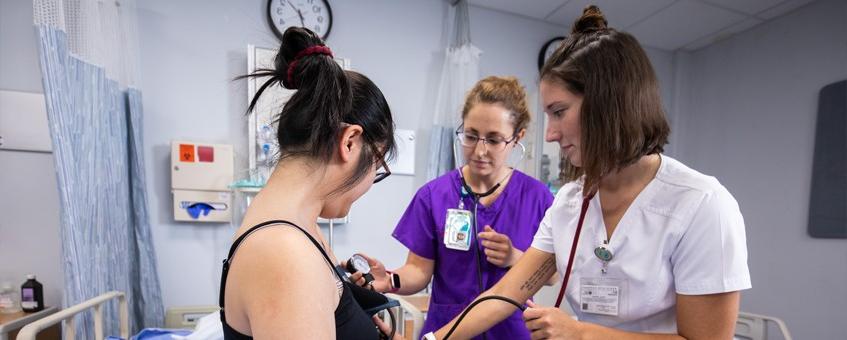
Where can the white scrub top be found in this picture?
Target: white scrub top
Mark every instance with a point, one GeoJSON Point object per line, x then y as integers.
{"type": "Point", "coordinates": [683, 234]}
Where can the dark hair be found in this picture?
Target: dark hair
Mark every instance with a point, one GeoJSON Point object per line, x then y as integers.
{"type": "Point", "coordinates": [505, 91]}
{"type": "Point", "coordinates": [326, 98]}
{"type": "Point", "coordinates": [621, 116]}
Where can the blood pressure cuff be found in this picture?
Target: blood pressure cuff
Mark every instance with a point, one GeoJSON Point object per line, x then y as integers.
{"type": "Point", "coordinates": [371, 301]}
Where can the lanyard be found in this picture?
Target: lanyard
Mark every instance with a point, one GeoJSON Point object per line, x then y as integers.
{"type": "Point", "coordinates": [567, 275]}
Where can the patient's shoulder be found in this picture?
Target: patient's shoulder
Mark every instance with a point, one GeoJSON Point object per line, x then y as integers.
{"type": "Point", "coordinates": [275, 270]}
{"type": "Point", "coordinates": [275, 256]}
{"type": "Point", "coordinates": [270, 247]}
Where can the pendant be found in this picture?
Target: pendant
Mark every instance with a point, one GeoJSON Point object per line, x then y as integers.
{"type": "Point", "coordinates": [603, 253]}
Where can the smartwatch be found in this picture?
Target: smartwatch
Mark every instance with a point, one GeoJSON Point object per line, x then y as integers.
{"type": "Point", "coordinates": [394, 280]}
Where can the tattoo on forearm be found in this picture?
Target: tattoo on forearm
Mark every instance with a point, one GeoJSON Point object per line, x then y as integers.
{"type": "Point", "coordinates": [540, 276]}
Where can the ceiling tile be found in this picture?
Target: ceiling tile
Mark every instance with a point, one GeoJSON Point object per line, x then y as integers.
{"type": "Point", "coordinates": [746, 6]}
{"type": "Point", "coordinates": [620, 14]}
{"type": "Point", "coordinates": [723, 34]}
{"type": "Point", "coordinates": [683, 23]}
{"type": "Point", "coordinates": [782, 8]}
{"type": "Point", "coordinates": [535, 9]}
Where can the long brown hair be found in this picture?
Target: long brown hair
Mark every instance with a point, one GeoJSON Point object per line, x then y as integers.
{"type": "Point", "coordinates": [621, 116]}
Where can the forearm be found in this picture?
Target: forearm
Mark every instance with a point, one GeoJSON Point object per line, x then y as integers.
{"type": "Point", "coordinates": [412, 279]}
{"type": "Point", "coordinates": [519, 284]}
{"type": "Point", "coordinates": [592, 331]}
{"type": "Point", "coordinates": [483, 316]}
{"type": "Point", "coordinates": [553, 279]}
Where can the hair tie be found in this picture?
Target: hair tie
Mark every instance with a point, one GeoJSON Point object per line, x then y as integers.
{"type": "Point", "coordinates": [317, 49]}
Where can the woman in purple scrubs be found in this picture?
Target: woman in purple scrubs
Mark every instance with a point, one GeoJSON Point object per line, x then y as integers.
{"type": "Point", "coordinates": [494, 120]}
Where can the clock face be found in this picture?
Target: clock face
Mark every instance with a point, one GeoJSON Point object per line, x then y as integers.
{"type": "Point", "coordinates": [315, 15]}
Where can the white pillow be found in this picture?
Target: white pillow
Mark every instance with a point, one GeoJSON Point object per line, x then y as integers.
{"type": "Point", "coordinates": [208, 327]}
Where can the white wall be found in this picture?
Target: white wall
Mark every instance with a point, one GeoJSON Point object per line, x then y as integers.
{"type": "Point", "coordinates": [187, 62]}
{"type": "Point", "coordinates": [749, 119]}
{"type": "Point", "coordinates": [743, 110]}
{"type": "Point", "coordinates": [29, 203]}
{"type": "Point", "coordinates": [19, 68]}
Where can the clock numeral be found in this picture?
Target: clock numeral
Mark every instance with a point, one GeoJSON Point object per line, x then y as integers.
{"type": "Point", "coordinates": [321, 19]}
{"type": "Point", "coordinates": [317, 28]}
{"type": "Point", "coordinates": [279, 11]}
{"type": "Point", "coordinates": [311, 2]}
{"type": "Point", "coordinates": [316, 9]}
{"type": "Point", "coordinates": [281, 21]}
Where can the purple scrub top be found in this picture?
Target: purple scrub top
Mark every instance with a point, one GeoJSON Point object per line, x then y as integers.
{"type": "Point", "coordinates": [517, 212]}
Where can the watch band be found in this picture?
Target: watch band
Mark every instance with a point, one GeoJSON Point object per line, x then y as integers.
{"type": "Point", "coordinates": [393, 281]}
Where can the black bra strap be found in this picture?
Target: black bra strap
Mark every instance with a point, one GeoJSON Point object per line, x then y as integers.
{"type": "Point", "coordinates": [241, 238]}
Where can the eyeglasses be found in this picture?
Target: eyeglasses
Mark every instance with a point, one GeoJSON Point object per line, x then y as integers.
{"type": "Point", "coordinates": [382, 172]}
{"type": "Point", "coordinates": [470, 141]}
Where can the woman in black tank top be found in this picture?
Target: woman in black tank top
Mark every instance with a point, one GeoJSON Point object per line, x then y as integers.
{"type": "Point", "coordinates": [334, 135]}
{"type": "Point", "coordinates": [351, 322]}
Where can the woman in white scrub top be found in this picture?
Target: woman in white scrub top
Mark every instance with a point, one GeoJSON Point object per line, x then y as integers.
{"type": "Point", "coordinates": [661, 252]}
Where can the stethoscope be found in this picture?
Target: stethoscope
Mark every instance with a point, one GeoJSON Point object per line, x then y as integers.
{"type": "Point", "coordinates": [602, 251]}
{"type": "Point", "coordinates": [466, 191]}
{"type": "Point", "coordinates": [585, 201]}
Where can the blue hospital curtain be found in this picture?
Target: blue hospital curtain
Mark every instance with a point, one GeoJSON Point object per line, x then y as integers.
{"type": "Point", "coordinates": [95, 115]}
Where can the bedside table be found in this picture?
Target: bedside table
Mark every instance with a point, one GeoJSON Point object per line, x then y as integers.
{"type": "Point", "coordinates": [10, 324]}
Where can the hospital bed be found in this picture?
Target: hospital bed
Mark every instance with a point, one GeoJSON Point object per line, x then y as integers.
{"type": "Point", "coordinates": [755, 327]}
{"type": "Point", "coordinates": [409, 320]}
{"type": "Point", "coordinates": [181, 319]}
{"type": "Point", "coordinates": [67, 315]}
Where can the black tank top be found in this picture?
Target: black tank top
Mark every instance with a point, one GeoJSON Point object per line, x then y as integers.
{"type": "Point", "coordinates": [351, 321]}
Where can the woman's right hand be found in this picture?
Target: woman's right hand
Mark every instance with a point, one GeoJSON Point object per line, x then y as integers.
{"type": "Point", "coordinates": [381, 282]}
{"type": "Point", "coordinates": [550, 323]}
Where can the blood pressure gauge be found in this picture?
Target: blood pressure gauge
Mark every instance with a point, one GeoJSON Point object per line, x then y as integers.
{"type": "Point", "coordinates": [358, 263]}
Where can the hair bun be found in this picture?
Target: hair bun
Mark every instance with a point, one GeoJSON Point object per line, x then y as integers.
{"type": "Point", "coordinates": [294, 41]}
{"type": "Point", "coordinates": [591, 20]}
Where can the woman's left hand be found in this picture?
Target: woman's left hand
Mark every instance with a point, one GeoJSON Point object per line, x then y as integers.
{"type": "Point", "coordinates": [550, 323]}
{"type": "Point", "coordinates": [498, 248]}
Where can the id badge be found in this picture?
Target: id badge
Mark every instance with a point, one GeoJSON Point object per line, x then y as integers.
{"type": "Point", "coordinates": [457, 230]}
{"type": "Point", "coordinates": [601, 295]}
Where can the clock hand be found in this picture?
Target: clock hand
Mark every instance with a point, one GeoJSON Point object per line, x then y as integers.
{"type": "Point", "coordinates": [300, 14]}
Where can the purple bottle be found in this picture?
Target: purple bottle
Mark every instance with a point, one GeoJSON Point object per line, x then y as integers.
{"type": "Point", "coordinates": [32, 295]}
